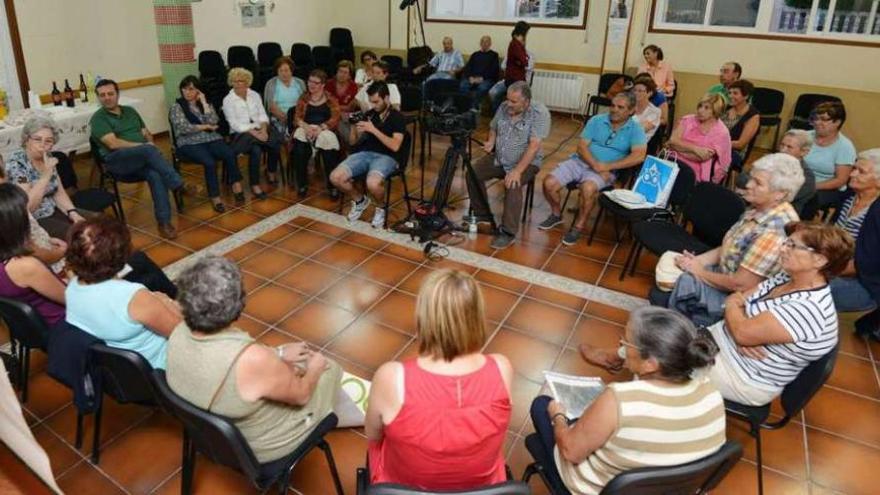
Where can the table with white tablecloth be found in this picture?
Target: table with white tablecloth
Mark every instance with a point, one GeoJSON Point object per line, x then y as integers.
{"type": "Point", "coordinates": [73, 127]}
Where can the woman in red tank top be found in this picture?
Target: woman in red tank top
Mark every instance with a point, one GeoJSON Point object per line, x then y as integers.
{"type": "Point", "coordinates": [438, 422]}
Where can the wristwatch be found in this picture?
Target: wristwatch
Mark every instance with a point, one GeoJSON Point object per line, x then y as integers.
{"type": "Point", "coordinates": [558, 415]}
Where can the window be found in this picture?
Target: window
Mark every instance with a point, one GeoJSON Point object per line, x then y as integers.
{"type": "Point", "coordinates": [554, 12]}
{"type": "Point", "coordinates": [855, 20]}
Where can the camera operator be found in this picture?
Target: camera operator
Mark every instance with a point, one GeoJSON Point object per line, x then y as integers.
{"type": "Point", "coordinates": [380, 136]}
{"type": "Point", "coordinates": [515, 135]}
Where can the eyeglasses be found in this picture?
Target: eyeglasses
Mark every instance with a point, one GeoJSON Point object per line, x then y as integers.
{"type": "Point", "coordinates": [610, 138]}
{"type": "Point", "coordinates": [44, 141]}
{"type": "Point", "coordinates": [790, 244]}
{"type": "Point", "coordinates": [311, 81]}
{"type": "Point", "coordinates": [623, 342]}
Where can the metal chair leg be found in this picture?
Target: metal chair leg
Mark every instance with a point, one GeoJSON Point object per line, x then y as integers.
{"type": "Point", "coordinates": [79, 430]}
{"type": "Point", "coordinates": [25, 363]}
{"type": "Point", "coordinates": [96, 439]}
{"type": "Point", "coordinates": [757, 435]}
{"type": "Point", "coordinates": [595, 225]}
{"type": "Point", "coordinates": [630, 258]}
{"type": "Point", "coordinates": [333, 471]}
{"type": "Point", "coordinates": [188, 465]}
{"type": "Point", "coordinates": [632, 268]}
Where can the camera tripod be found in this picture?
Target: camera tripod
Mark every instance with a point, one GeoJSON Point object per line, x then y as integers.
{"type": "Point", "coordinates": [458, 152]}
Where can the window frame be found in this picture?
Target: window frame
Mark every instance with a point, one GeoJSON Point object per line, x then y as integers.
{"type": "Point", "coordinates": [580, 23]}
{"type": "Point", "coordinates": [763, 24]}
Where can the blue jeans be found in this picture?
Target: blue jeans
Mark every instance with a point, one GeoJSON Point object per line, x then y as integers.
{"type": "Point", "coordinates": [477, 91]}
{"type": "Point", "coordinates": [544, 428]}
{"type": "Point", "coordinates": [850, 296]}
{"type": "Point", "coordinates": [207, 154]}
{"type": "Point", "coordinates": [364, 162]}
{"type": "Point", "coordinates": [497, 94]}
{"type": "Point", "coordinates": [147, 163]}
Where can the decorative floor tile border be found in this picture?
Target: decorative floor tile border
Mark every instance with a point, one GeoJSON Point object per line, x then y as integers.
{"type": "Point", "coordinates": [481, 261]}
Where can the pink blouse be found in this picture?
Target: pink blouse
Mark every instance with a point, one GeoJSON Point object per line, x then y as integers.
{"type": "Point", "coordinates": [662, 74]}
{"type": "Point", "coordinates": [717, 138]}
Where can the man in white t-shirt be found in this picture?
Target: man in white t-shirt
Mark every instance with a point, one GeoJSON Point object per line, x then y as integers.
{"type": "Point", "coordinates": [380, 73]}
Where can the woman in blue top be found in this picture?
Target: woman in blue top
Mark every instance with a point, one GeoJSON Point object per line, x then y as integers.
{"type": "Point", "coordinates": [124, 314]}
{"type": "Point", "coordinates": [832, 156]}
{"type": "Point", "coordinates": [281, 93]}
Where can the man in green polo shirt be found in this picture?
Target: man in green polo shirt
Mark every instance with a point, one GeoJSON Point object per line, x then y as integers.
{"type": "Point", "coordinates": [729, 72]}
{"type": "Point", "coordinates": [128, 150]}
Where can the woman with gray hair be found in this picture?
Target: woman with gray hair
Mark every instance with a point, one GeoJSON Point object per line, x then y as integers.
{"type": "Point", "coordinates": [33, 168]}
{"type": "Point", "coordinates": [275, 396]}
{"type": "Point", "coordinates": [849, 292]}
{"type": "Point", "coordinates": [672, 414]}
{"type": "Point", "coordinates": [749, 253]}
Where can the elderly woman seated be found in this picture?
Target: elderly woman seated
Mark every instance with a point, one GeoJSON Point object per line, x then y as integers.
{"type": "Point", "coordinates": [701, 140]}
{"type": "Point", "coordinates": [773, 331]}
{"type": "Point", "coordinates": [849, 292]}
{"type": "Point", "coordinates": [251, 132]}
{"type": "Point", "coordinates": [124, 314]}
{"type": "Point", "coordinates": [749, 253]}
{"type": "Point", "coordinates": [275, 396]}
{"type": "Point", "coordinates": [832, 155]}
{"type": "Point", "coordinates": [33, 168]}
{"type": "Point", "coordinates": [438, 421]}
{"type": "Point", "coordinates": [672, 414]}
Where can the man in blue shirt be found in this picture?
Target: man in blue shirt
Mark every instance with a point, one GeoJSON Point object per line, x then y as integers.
{"type": "Point", "coordinates": [447, 63]}
{"type": "Point", "coordinates": [610, 142]}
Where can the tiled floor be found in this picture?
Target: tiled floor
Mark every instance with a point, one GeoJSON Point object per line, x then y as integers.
{"type": "Point", "coordinates": [353, 295]}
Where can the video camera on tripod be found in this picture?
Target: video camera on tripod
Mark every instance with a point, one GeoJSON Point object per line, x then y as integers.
{"type": "Point", "coordinates": [451, 117]}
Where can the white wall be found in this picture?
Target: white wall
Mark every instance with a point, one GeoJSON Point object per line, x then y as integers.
{"type": "Point", "coordinates": [112, 38]}
{"type": "Point", "coordinates": [217, 24]}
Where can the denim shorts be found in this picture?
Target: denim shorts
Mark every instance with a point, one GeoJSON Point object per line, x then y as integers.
{"type": "Point", "coordinates": [369, 162]}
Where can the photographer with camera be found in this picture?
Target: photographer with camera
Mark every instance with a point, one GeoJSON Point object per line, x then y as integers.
{"type": "Point", "coordinates": [515, 135]}
{"type": "Point", "coordinates": [380, 136]}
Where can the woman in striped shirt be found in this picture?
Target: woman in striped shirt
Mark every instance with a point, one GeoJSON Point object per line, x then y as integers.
{"type": "Point", "coordinates": [848, 292]}
{"type": "Point", "coordinates": [771, 333]}
{"type": "Point", "coordinates": [669, 416]}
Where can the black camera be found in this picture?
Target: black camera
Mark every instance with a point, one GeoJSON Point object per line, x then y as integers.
{"type": "Point", "coordinates": [355, 117]}
{"type": "Point", "coordinates": [453, 117]}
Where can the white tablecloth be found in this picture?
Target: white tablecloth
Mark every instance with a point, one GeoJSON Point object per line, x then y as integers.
{"type": "Point", "coordinates": [73, 127]}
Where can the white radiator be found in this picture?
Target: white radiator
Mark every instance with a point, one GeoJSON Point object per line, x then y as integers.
{"type": "Point", "coordinates": [559, 90]}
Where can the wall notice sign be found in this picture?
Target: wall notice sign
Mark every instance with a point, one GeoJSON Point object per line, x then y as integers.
{"type": "Point", "coordinates": [253, 14]}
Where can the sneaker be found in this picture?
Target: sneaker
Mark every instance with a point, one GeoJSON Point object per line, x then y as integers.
{"type": "Point", "coordinates": [378, 218]}
{"type": "Point", "coordinates": [357, 209]}
{"type": "Point", "coordinates": [550, 222]}
{"type": "Point", "coordinates": [502, 240]}
{"type": "Point", "coordinates": [571, 237]}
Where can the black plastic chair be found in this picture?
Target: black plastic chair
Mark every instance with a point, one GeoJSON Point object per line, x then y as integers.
{"type": "Point", "coordinates": [322, 58]}
{"type": "Point", "coordinates": [794, 398]}
{"type": "Point", "coordinates": [402, 157]}
{"type": "Point", "coordinates": [211, 65]}
{"type": "Point", "coordinates": [693, 478]}
{"type": "Point", "coordinates": [395, 65]}
{"type": "Point", "coordinates": [268, 52]}
{"type": "Point", "coordinates": [243, 56]}
{"type": "Point", "coordinates": [679, 195]}
{"type": "Point", "coordinates": [301, 53]}
{"type": "Point", "coordinates": [96, 199]}
{"type": "Point", "coordinates": [769, 103]}
{"type": "Point", "coordinates": [625, 178]}
{"type": "Point", "coordinates": [124, 375]}
{"type": "Point", "coordinates": [708, 225]}
{"type": "Point", "coordinates": [27, 331]}
{"type": "Point", "coordinates": [416, 56]}
{"type": "Point", "coordinates": [601, 99]}
{"type": "Point", "coordinates": [803, 109]}
{"type": "Point", "coordinates": [219, 440]}
{"type": "Point", "coordinates": [342, 44]}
